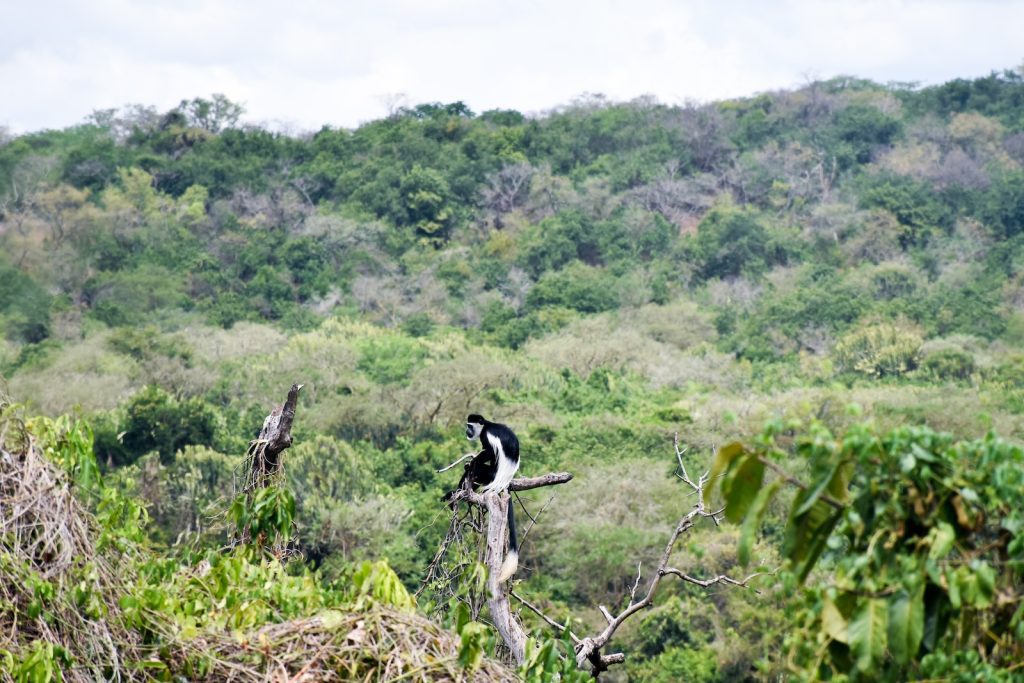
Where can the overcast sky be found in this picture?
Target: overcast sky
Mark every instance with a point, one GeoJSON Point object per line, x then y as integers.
{"type": "Point", "coordinates": [300, 64]}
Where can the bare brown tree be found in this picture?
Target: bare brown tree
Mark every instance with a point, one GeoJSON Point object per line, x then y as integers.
{"type": "Point", "coordinates": [506, 190]}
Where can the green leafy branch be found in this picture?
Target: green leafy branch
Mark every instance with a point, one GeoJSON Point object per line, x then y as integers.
{"type": "Point", "coordinates": [923, 540]}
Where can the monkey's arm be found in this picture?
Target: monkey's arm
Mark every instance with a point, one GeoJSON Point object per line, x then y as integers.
{"type": "Point", "coordinates": [474, 472]}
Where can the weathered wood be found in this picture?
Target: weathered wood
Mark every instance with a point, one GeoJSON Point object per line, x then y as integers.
{"type": "Point", "coordinates": [275, 436]}
{"type": "Point", "coordinates": [527, 483]}
{"type": "Point", "coordinates": [496, 504]}
{"type": "Point", "coordinates": [509, 628]}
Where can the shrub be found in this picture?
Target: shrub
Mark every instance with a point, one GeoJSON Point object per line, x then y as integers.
{"type": "Point", "coordinates": [123, 297]}
{"type": "Point", "coordinates": [418, 325]}
{"type": "Point", "coordinates": [880, 350]}
{"type": "Point", "coordinates": [390, 359]}
{"type": "Point", "coordinates": [156, 421]}
{"type": "Point", "coordinates": [973, 308]}
{"type": "Point", "coordinates": [678, 664]}
{"type": "Point", "coordinates": [579, 287]}
{"type": "Point", "coordinates": [859, 129]}
{"type": "Point", "coordinates": [559, 240]}
{"type": "Point", "coordinates": [913, 203]}
{"type": "Point", "coordinates": [731, 242]}
{"type": "Point", "coordinates": [24, 306]}
{"type": "Point", "coordinates": [893, 280]}
{"type": "Point", "coordinates": [948, 363]}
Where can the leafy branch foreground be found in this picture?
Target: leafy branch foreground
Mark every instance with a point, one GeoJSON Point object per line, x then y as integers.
{"type": "Point", "coordinates": [909, 547]}
{"type": "Point", "coordinates": [83, 599]}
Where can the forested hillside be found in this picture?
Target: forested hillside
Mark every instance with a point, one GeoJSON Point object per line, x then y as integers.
{"type": "Point", "coordinates": [832, 275]}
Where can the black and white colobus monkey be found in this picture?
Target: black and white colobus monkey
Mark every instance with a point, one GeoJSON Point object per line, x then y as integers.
{"type": "Point", "coordinates": [493, 468]}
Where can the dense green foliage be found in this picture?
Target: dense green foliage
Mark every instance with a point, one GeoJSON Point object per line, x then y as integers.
{"type": "Point", "coordinates": [600, 277]}
{"type": "Point", "coordinates": [923, 539]}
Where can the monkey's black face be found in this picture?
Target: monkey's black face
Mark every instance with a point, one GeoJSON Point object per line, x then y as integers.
{"type": "Point", "coordinates": [473, 430]}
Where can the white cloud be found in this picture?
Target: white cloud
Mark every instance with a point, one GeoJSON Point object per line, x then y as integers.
{"type": "Point", "coordinates": [313, 63]}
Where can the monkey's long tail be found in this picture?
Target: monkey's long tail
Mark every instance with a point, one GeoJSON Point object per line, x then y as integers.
{"type": "Point", "coordinates": [511, 563]}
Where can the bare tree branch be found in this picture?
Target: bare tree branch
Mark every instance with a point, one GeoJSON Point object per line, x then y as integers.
{"type": "Point", "coordinates": [824, 497]}
{"type": "Point", "coordinates": [721, 578]}
{"type": "Point", "coordinates": [589, 649]}
{"type": "Point", "coordinates": [554, 624]}
{"type": "Point", "coordinates": [552, 479]}
{"type": "Point", "coordinates": [448, 467]}
{"type": "Point", "coordinates": [533, 520]}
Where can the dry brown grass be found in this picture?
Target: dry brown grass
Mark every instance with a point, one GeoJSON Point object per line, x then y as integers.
{"type": "Point", "coordinates": [380, 644]}
{"type": "Point", "coordinates": [46, 543]}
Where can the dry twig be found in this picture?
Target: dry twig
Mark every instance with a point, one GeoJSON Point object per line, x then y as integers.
{"type": "Point", "coordinates": [588, 650]}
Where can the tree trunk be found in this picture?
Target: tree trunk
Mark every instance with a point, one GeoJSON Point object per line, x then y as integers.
{"type": "Point", "coordinates": [509, 628]}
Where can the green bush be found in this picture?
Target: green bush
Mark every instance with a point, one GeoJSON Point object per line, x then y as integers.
{"type": "Point", "coordinates": [675, 623]}
{"type": "Point", "coordinates": [390, 359]}
{"type": "Point", "coordinates": [125, 297]}
{"type": "Point", "coordinates": [677, 664]}
{"type": "Point", "coordinates": [879, 350]}
{"type": "Point", "coordinates": [731, 242]}
{"type": "Point", "coordinates": [820, 301]}
{"type": "Point", "coordinates": [915, 206]}
{"type": "Point", "coordinates": [558, 241]}
{"type": "Point", "coordinates": [418, 325]}
{"type": "Point", "coordinates": [24, 306]}
{"type": "Point", "coordinates": [859, 129]}
{"type": "Point", "coordinates": [893, 281]}
{"type": "Point", "coordinates": [974, 308]}
{"type": "Point", "coordinates": [916, 538]}
{"type": "Point", "coordinates": [156, 421]}
{"type": "Point", "coordinates": [578, 287]}
{"type": "Point", "coordinates": [144, 343]}
{"type": "Point", "coordinates": [948, 363]}
{"type": "Point", "coordinates": [1003, 208]}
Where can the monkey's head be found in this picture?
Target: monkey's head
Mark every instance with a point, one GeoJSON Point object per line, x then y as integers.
{"type": "Point", "coordinates": [474, 425]}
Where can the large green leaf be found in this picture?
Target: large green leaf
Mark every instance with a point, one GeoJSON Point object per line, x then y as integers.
{"type": "Point", "coordinates": [942, 538]}
{"type": "Point", "coordinates": [906, 624]}
{"type": "Point", "coordinates": [753, 520]}
{"type": "Point", "coordinates": [839, 485]}
{"type": "Point", "coordinates": [723, 459]}
{"type": "Point", "coordinates": [741, 486]}
{"type": "Point", "coordinates": [833, 622]}
{"type": "Point", "coordinates": [807, 534]}
{"type": "Point", "coordinates": [986, 581]}
{"type": "Point", "coordinates": [835, 480]}
{"type": "Point", "coordinates": [867, 633]}
{"type": "Point", "coordinates": [810, 495]}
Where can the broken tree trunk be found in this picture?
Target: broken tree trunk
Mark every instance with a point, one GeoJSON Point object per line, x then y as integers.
{"type": "Point", "coordinates": [264, 455]}
{"type": "Point", "coordinates": [262, 463]}
{"type": "Point", "coordinates": [509, 628]}
{"type": "Point", "coordinates": [496, 504]}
